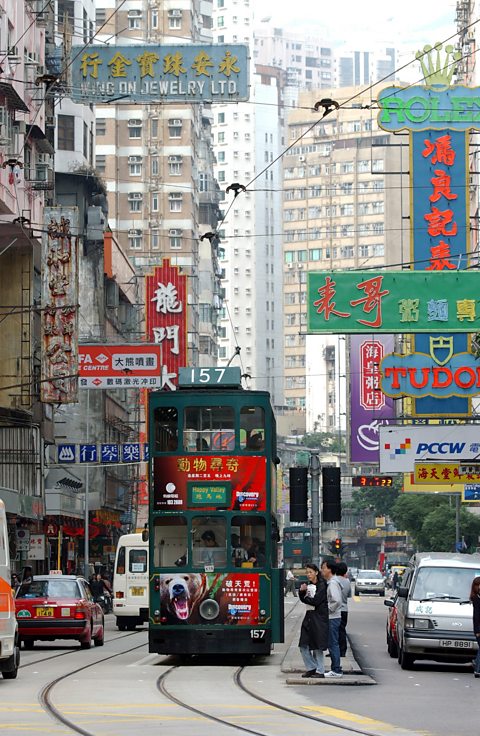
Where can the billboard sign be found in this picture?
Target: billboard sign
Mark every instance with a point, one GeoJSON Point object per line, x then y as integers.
{"type": "Point", "coordinates": [395, 301]}
{"type": "Point", "coordinates": [154, 73]}
{"type": "Point", "coordinates": [369, 407]}
{"type": "Point", "coordinates": [402, 447]}
{"type": "Point", "coordinates": [119, 366]}
{"type": "Point", "coordinates": [59, 366]}
{"type": "Point", "coordinates": [442, 473]}
{"type": "Point", "coordinates": [166, 319]}
{"type": "Point", "coordinates": [409, 486]}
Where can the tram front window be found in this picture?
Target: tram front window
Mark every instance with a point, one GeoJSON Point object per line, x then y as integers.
{"type": "Point", "coordinates": [252, 428]}
{"type": "Point", "coordinates": [209, 541]}
{"type": "Point", "coordinates": [249, 531]}
{"type": "Point", "coordinates": [209, 428]}
{"type": "Point", "coordinates": [170, 541]}
{"type": "Point", "coordinates": [166, 428]}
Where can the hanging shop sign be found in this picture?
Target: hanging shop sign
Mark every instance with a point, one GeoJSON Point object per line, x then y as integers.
{"type": "Point", "coordinates": [59, 306]}
{"type": "Point", "coordinates": [119, 366]}
{"type": "Point", "coordinates": [167, 73]}
{"type": "Point", "coordinates": [440, 473]}
{"type": "Point", "coordinates": [401, 301]}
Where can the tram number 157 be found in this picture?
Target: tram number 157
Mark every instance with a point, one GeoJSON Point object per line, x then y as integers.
{"type": "Point", "coordinates": [257, 634]}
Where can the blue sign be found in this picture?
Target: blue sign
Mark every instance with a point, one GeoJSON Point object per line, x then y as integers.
{"type": "Point", "coordinates": [88, 454]}
{"type": "Point", "coordinates": [146, 453]}
{"type": "Point", "coordinates": [66, 453]}
{"type": "Point", "coordinates": [131, 452]}
{"type": "Point", "coordinates": [110, 454]}
{"type": "Point", "coordinates": [170, 73]}
{"type": "Point", "coordinates": [471, 492]}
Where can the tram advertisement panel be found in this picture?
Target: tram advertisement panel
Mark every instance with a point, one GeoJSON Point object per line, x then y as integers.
{"type": "Point", "coordinates": [236, 597]}
{"type": "Point", "coordinates": [236, 483]}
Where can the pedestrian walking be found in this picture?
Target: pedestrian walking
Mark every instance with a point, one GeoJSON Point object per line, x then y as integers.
{"type": "Point", "coordinates": [314, 631]}
{"type": "Point", "coordinates": [334, 599]}
{"type": "Point", "coordinates": [475, 598]}
{"type": "Point", "coordinates": [346, 594]}
{"type": "Point", "coordinates": [290, 583]}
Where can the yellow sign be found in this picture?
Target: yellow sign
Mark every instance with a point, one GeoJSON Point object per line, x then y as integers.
{"type": "Point", "coordinates": [450, 474]}
{"type": "Point", "coordinates": [410, 486]}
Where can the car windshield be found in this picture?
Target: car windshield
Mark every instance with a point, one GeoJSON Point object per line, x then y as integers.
{"type": "Point", "coordinates": [443, 582]}
{"type": "Point", "coordinates": [369, 574]}
{"type": "Point", "coordinates": [49, 589]}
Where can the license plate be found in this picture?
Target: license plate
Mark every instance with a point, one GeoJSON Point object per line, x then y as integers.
{"type": "Point", "coordinates": [137, 591]}
{"type": "Point", "coordinates": [456, 644]}
{"type": "Point", "coordinates": [45, 612]}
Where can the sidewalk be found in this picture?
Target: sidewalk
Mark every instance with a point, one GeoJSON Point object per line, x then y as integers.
{"type": "Point", "coordinates": [293, 666]}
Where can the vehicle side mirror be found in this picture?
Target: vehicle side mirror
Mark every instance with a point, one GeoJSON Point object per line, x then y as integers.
{"type": "Point", "coordinates": [402, 592]}
{"type": "Point", "coordinates": [388, 602]}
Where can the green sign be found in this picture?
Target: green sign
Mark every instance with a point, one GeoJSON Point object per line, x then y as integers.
{"type": "Point", "coordinates": [210, 377]}
{"type": "Point", "coordinates": [211, 494]}
{"type": "Point", "coordinates": [402, 301]}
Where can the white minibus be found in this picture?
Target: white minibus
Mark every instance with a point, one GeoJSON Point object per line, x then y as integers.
{"type": "Point", "coordinates": [9, 647]}
{"type": "Point", "coordinates": [130, 582]}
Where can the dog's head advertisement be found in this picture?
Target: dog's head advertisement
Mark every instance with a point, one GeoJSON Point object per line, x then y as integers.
{"type": "Point", "coordinates": [236, 598]}
{"type": "Point", "coordinates": [237, 483]}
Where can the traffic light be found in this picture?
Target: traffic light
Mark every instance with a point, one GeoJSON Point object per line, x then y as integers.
{"type": "Point", "coordinates": [331, 491]}
{"type": "Point", "coordinates": [298, 494]}
{"type": "Point", "coordinates": [337, 543]}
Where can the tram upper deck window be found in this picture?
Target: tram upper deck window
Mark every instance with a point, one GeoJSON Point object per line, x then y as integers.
{"type": "Point", "coordinates": [252, 428]}
{"type": "Point", "coordinates": [166, 428]}
{"type": "Point", "coordinates": [209, 541]}
{"type": "Point", "coordinates": [170, 542]}
{"type": "Point", "coordinates": [208, 428]}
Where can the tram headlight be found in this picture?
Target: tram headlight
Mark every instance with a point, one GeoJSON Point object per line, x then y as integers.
{"type": "Point", "coordinates": [209, 609]}
{"type": "Point", "coordinates": [156, 583]}
{"type": "Point", "coordinates": [156, 616]}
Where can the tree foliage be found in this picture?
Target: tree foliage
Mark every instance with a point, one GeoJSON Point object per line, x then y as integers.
{"type": "Point", "coordinates": [378, 500]}
{"type": "Point", "coordinates": [326, 441]}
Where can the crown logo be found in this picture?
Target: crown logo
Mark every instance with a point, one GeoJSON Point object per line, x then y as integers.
{"type": "Point", "coordinates": [434, 71]}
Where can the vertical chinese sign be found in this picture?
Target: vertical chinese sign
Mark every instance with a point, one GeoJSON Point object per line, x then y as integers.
{"type": "Point", "coordinates": [369, 407]}
{"type": "Point", "coordinates": [60, 306]}
{"type": "Point", "coordinates": [438, 117]}
{"type": "Point", "coordinates": [166, 324]}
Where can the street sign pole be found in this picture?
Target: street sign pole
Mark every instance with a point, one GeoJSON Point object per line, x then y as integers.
{"type": "Point", "coordinates": [86, 539]}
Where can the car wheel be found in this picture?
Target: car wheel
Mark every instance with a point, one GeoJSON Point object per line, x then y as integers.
{"type": "Point", "coordinates": [405, 660]}
{"type": "Point", "coordinates": [87, 642]}
{"type": "Point", "coordinates": [382, 594]}
{"type": "Point", "coordinates": [392, 648]}
{"type": "Point", "coordinates": [99, 640]}
{"type": "Point", "coordinates": [28, 643]}
{"type": "Point", "coordinates": [11, 665]}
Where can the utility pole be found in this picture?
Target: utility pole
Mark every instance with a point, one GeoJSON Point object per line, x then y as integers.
{"type": "Point", "coordinates": [314, 468]}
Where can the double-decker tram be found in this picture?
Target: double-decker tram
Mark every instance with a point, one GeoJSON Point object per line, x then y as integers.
{"type": "Point", "coordinates": [215, 585]}
{"type": "Point", "coordinates": [297, 546]}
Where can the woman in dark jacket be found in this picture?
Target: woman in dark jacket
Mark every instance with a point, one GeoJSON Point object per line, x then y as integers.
{"type": "Point", "coordinates": [314, 632]}
{"type": "Point", "coordinates": [475, 598]}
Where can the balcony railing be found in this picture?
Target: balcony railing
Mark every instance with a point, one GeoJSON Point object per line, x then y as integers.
{"type": "Point", "coordinates": [39, 177]}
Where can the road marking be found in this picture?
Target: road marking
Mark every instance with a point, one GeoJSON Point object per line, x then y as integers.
{"type": "Point", "coordinates": [344, 715]}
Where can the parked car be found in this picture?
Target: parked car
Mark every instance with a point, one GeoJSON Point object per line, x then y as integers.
{"type": "Point", "coordinates": [370, 581]}
{"type": "Point", "coordinates": [58, 607]}
{"type": "Point", "coordinates": [392, 638]}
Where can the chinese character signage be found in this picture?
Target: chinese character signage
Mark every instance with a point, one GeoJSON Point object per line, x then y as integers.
{"type": "Point", "coordinates": [369, 407]}
{"type": "Point", "coordinates": [212, 73]}
{"type": "Point", "coordinates": [129, 452]}
{"type": "Point", "coordinates": [441, 473]}
{"type": "Point", "coordinates": [119, 366]}
{"type": "Point", "coordinates": [402, 301]}
{"type": "Point", "coordinates": [402, 447]}
{"type": "Point", "coordinates": [239, 482]}
{"type": "Point", "coordinates": [236, 594]}
{"type": "Point", "coordinates": [59, 306]}
{"type": "Point", "coordinates": [166, 323]}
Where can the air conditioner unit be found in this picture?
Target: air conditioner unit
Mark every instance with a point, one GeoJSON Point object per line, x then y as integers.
{"type": "Point", "coordinates": [50, 121]}
{"type": "Point", "coordinates": [135, 195]}
{"type": "Point", "coordinates": [302, 159]}
{"type": "Point", "coordinates": [20, 127]}
{"type": "Point", "coordinates": [154, 223]}
{"type": "Point", "coordinates": [134, 159]}
{"type": "Point", "coordinates": [175, 13]}
{"type": "Point", "coordinates": [174, 122]}
{"type": "Point", "coordinates": [175, 159]}
{"type": "Point", "coordinates": [289, 265]}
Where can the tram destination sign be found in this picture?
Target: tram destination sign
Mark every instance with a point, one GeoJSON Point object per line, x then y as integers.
{"type": "Point", "coordinates": [351, 302]}
{"type": "Point", "coordinates": [170, 73]}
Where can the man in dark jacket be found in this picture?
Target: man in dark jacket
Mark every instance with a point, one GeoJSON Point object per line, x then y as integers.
{"type": "Point", "coordinates": [314, 631]}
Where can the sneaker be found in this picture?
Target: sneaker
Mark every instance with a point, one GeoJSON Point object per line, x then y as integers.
{"type": "Point", "coordinates": [332, 675]}
{"type": "Point", "coordinates": [310, 673]}
{"type": "Point", "coordinates": [318, 675]}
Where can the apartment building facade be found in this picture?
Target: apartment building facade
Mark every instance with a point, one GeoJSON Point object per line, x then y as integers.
{"type": "Point", "coordinates": [345, 207]}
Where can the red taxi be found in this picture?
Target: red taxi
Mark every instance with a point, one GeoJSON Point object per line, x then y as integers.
{"type": "Point", "coordinates": [392, 638]}
{"type": "Point", "coordinates": [58, 607]}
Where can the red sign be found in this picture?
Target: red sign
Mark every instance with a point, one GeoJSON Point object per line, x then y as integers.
{"type": "Point", "coordinates": [237, 596]}
{"type": "Point", "coordinates": [245, 478]}
{"type": "Point", "coordinates": [166, 311]}
{"type": "Point", "coordinates": [119, 366]}
{"type": "Point", "coordinates": [371, 355]}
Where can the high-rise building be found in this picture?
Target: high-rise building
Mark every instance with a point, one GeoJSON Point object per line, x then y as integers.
{"type": "Point", "coordinates": [355, 68]}
{"type": "Point", "coordinates": [343, 208]}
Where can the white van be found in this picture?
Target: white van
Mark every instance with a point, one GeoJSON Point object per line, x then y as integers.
{"type": "Point", "coordinates": [9, 647]}
{"type": "Point", "coordinates": [130, 582]}
{"type": "Point", "coordinates": [434, 613]}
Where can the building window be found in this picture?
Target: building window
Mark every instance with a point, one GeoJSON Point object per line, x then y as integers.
{"type": "Point", "coordinates": [100, 163]}
{"type": "Point", "coordinates": [221, 137]}
{"type": "Point", "coordinates": [66, 132]}
{"type": "Point", "coordinates": [134, 19]}
{"type": "Point", "coordinates": [175, 237]}
{"type": "Point", "coordinates": [203, 182]}
{"type": "Point", "coordinates": [100, 16]}
{"type": "Point", "coordinates": [154, 127]}
{"type": "Point", "coordinates": [175, 165]}
{"type": "Point", "coordinates": [135, 201]}
{"type": "Point", "coordinates": [135, 165]}
{"type": "Point", "coordinates": [221, 117]}
{"type": "Point", "coordinates": [134, 128]}
{"type": "Point", "coordinates": [175, 128]}
{"type": "Point", "coordinates": [154, 17]}
{"type": "Point", "coordinates": [135, 239]}
{"type": "Point", "coordinates": [175, 201]}
{"type": "Point", "coordinates": [174, 18]}
{"type": "Point", "coordinates": [220, 21]}
{"type": "Point", "coordinates": [155, 239]}
{"type": "Point", "coordinates": [155, 202]}
{"type": "Point", "coordinates": [100, 127]}
{"type": "Point", "coordinates": [154, 166]}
